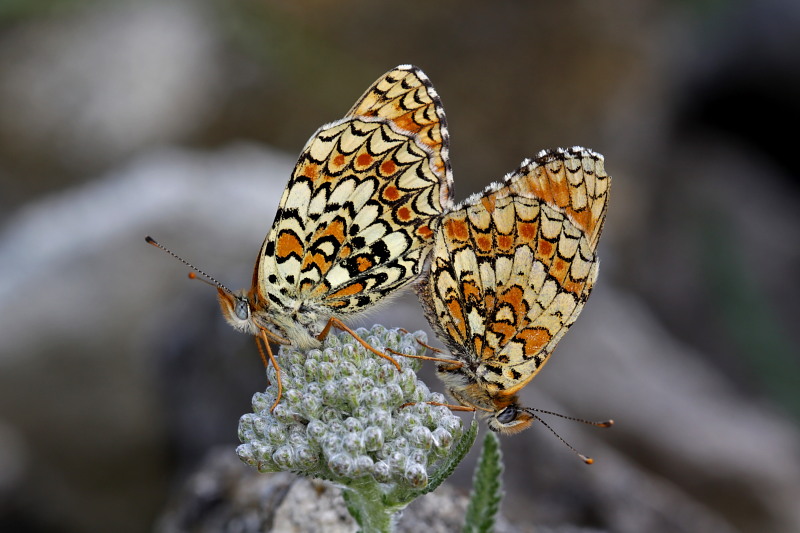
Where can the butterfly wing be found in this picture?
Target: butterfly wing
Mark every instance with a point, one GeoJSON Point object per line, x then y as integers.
{"type": "Point", "coordinates": [356, 219]}
{"type": "Point", "coordinates": [406, 98]}
{"type": "Point", "coordinates": [573, 180]}
{"type": "Point", "coordinates": [512, 267]}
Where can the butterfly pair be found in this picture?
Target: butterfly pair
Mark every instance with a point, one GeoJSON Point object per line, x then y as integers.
{"type": "Point", "coordinates": [369, 207]}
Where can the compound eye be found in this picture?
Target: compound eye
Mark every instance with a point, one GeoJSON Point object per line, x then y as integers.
{"type": "Point", "coordinates": [507, 415]}
{"type": "Point", "coordinates": [241, 309]}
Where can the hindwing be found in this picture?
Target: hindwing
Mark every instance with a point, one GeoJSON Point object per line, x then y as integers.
{"type": "Point", "coordinates": [356, 220]}
{"type": "Point", "coordinates": [512, 267]}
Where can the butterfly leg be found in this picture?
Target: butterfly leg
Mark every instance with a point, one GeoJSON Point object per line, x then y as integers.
{"type": "Point", "coordinates": [262, 345]}
{"type": "Point", "coordinates": [453, 363]}
{"type": "Point", "coordinates": [448, 405]}
{"type": "Point", "coordinates": [338, 324]}
{"type": "Point", "coordinates": [431, 348]}
{"type": "Point", "coordinates": [263, 357]}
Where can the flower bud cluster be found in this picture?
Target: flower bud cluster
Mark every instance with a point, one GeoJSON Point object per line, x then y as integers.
{"type": "Point", "coordinates": [348, 414]}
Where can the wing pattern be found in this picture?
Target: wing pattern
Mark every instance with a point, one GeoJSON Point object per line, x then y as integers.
{"type": "Point", "coordinates": [513, 266]}
{"type": "Point", "coordinates": [406, 98]}
{"type": "Point", "coordinates": [356, 220]}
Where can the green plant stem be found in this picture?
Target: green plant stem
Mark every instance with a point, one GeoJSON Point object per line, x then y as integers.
{"type": "Point", "coordinates": [367, 504]}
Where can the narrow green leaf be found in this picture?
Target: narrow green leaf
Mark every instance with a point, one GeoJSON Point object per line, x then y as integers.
{"type": "Point", "coordinates": [486, 488]}
{"type": "Point", "coordinates": [352, 506]}
{"type": "Point", "coordinates": [460, 451]}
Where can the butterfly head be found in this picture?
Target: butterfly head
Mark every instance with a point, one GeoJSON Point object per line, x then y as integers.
{"type": "Point", "coordinates": [237, 308]}
{"type": "Point", "coordinates": [510, 420]}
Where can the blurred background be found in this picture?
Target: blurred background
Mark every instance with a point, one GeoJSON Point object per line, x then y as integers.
{"type": "Point", "coordinates": [182, 119]}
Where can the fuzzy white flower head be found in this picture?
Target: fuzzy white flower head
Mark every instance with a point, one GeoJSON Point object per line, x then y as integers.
{"type": "Point", "coordinates": [347, 414]}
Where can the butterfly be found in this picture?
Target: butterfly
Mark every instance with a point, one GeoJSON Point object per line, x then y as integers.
{"type": "Point", "coordinates": [356, 221]}
{"type": "Point", "coordinates": [510, 271]}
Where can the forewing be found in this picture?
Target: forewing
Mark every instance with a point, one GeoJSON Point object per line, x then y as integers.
{"type": "Point", "coordinates": [356, 220]}
{"type": "Point", "coordinates": [405, 97]}
{"type": "Point", "coordinates": [573, 180]}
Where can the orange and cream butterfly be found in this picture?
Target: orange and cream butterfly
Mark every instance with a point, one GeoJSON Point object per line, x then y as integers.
{"type": "Point", "coordinates": [356, 221]}
{"type": "Point", "coordinates": [510, 271]}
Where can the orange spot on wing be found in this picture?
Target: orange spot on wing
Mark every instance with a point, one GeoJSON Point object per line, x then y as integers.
{"type": "Point", "coordinates": [456, 230]}
{"type": "Point", "coordinates": [533, 339]}
{"type": "Point", "coordinates": [489, 300]}
{"type": "Point", "coordinates": [288, 244]}
{"type": "Point", "coordinates": [513, 296]}
{"type": "Point", "coordinates": [454, 332]}
{"type": "Point", "coordinates": [470, 291]}
{"type": "Point", "coordinates": [391, 192]}
{"type": "Point", "coordinates": [484, 243]}
{"type": "Point", "coordinates": [317, 259]}
{"type": "Point", "coordinates": [583, 219]}
{"type": "Point", "coordinates": [424, 231]}
{"type": "Point", "coordinates": [488, 203]}
{"type": "Point", "coordinates": [350, 290]}
{"type": "Point", "coordinates": [558, 269]}
{"type": "Point", "coordinates": [310, 171]}
{"type": "Point", "coordinates": [334, 229]}
{"type": "Point", "coordinates": [505, 242]}
{"type": "Point", "coordinates": [321, 290]}
{"type": "Point", "coordinates": [388, 168]}
{"type": "Point", "coordinates": [545, 248]}
{"type": "Point", "coordinates": [363, 263]}
{"type": "Point", "coordinates": [548, 187]}
{"type": "Point", "coordinates": [561, 193]}
{"type": "Point", "coordinates": [527, 230]}
{"type": "Point", "coordinates": [364, 160]}
{"type": "Point", "coordinates": [457, 315]}
{"type": "Point", "coordinates": [339, 160]}
{"type": "Point", "coordinates": [404, 213]}
{"type": "Point", "coordinates": [570, 285]}
{"type": "Point", "coordinates": [504, 331]}
{"type": "Point", "coordinates": [484, 350]}
{"type": "Point", "coordinates": [556, 191]}
{"type": "Point", "coordinates": [407, 123]}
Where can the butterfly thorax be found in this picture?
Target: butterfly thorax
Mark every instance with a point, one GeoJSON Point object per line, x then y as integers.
{"type": "Point", "coordinates": [465, 388]}
{"type": "Point", "coordinates": [285, 321]}
{"type": "Point", "coordinates": [293, 319]}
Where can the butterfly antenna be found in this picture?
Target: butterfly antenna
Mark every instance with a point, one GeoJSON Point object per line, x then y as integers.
{"type": "Point", "coordinates": [601, 424]}
{"type": "Point", "coordinates": [587, 460]}
{"type": "Point", "coordinates": [216, 283]}
{"type": "Point", "coordinates": [193, 276]}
